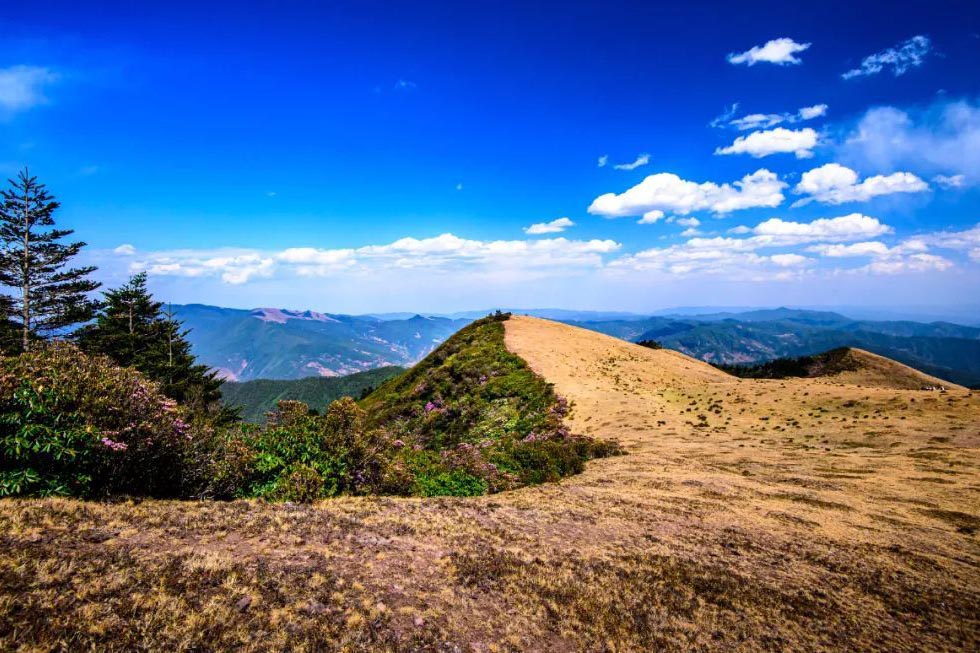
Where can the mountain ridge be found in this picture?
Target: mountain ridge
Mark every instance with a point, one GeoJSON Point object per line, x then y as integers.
{"type": "Point", "coordinates": [247, 344]}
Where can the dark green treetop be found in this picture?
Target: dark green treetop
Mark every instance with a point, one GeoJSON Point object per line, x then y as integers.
{"type": "Point", "coordinates": [48, 297]}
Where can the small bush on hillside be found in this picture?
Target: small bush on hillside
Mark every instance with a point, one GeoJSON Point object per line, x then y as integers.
{"type": "Point", "coordinates": [73, 424]}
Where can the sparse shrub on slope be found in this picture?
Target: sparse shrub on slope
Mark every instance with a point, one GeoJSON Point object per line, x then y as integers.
{"type": "Point", "coordinates": [78, 425]}
{"type": "Point", "coordinates": [472, 418]}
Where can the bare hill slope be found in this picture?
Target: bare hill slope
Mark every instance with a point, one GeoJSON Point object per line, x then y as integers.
{"type": "Point", "coordinates": [868, 369]}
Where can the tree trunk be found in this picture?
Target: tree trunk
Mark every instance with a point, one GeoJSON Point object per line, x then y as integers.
{"type": "Point", "coordinates": [26, 282]}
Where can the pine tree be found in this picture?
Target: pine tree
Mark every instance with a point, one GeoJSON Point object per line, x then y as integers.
{"type": "Point", "coordinates": [48, 297]}
{"type": "Point", "coordinates": [133, 330]}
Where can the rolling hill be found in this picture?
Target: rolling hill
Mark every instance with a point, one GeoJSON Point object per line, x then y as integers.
{"type": "Point", "coordinates": [941, 349]}
{"type": "Point", "coordinates": [805, 514]}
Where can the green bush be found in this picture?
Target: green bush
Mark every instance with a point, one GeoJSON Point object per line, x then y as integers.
{"type": "Point", "coordinates": [455, 483]}
{"type": "Point", "coordinates": [299, 456]}
{"type": "Point", "coordinates": [300, 484]}
{"type": "Point", "coordinates": [77, 425]}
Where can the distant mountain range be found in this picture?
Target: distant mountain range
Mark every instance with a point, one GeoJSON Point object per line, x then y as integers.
{"type": "Point", "coordinates": [267, 343]}
{"type": "Point", "coordinates": [949, 351]}
{"type": "Point", "coordinates": [281, 344]}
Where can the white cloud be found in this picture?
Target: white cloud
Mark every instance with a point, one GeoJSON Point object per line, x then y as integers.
{"type": "Point", "coordinates": [774, 141]}
{"type": "Point", "coordinates": [442, 253]}
{"type": "Point", "coordinates": [841, 229]}
{"type": "Point", "coordinates": [744, 258]}
{"type": "Point", "coordinates": [124, 250]}
{"type": "Point", "coordinates": [950, 181]}
{"type": "Point", "coordinates": [603, 160]}
{"type": "Point", "coordinates": [908, 256]}
{"type": "Point", "coordinates": [789, 260]}
{"type": "Point", "coordinates": [767, 120]}
{"type": "Point", "coordinates": [816, 111]}
{"type": "Point", "coordinates": [231, 266]}
{"type": "Point", "coordinates": [405, 85]}
{"type": "Point", "coordinates": [553, 227]}
{"type": "Point", "coordinates": [651, 217]}
{"type": "Point", "coordinates": [837, 250]}
{"type": "Point", "coordinates": [22, 87]}
{"type": "Point", "coordinates": [687, 233]}
{"type": "Point", "coordinates": [328, 258]}
{"type": "Point", "coordinates": [640, 160]}
{"type": "Point", "coordinates": [967, 241]}
{"type": "Point", "coordinates": [667, 192]}
{"type": "Point", "coordinates": [906, 55]}
{"type": "Point", "coordinates": [774, 249]}
{"type": "Point", "coordinates": [833, 183]}
{"type": "Point", "coordinates": [778, 51]}
{"type": "Point", "coordinates": [944, 139]}
{"type": "Point", "coordinates": [725, 117]}
{"type": "Point", "coordinates": [911, 263]}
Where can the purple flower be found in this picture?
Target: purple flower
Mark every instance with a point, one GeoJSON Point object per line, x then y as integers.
{"type": "Point", "coordinates": [115, 446]}
{"type": "Point", "coordinates": [398, 444]}
{"type": "Point", "coordinates": [181, 427]}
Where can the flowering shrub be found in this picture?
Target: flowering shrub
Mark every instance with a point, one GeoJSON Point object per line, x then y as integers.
{"type": "Point", "coordinates": [78, 425]}
{"type": "Point", "coordinates": [299, 456]}
{"type": "Point", "coordinates": [473, 418]}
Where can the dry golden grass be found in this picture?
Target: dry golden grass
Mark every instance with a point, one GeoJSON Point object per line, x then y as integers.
{"type": "Point", "coordinates": [806, 514]}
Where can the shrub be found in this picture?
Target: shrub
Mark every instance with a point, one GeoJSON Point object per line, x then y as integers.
{"type": "Point", "coordinates": [455, 483]}
{"type": "Point", "coordinates": [300, 484]}
{"type": "Point", "coordinates": [73, 424]}
{"type": "Point", "coordinates": [299, 456]}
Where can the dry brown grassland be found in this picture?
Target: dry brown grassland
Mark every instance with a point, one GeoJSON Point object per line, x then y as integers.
{"type": "Point", "coordinates": [805, 515]}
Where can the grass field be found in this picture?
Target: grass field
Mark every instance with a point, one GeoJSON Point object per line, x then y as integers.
{"type": "Point", "coordinates": [753, 515]}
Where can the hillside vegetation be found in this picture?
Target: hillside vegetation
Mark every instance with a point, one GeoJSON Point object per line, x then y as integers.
{"type": "Point", "coordinates": [256, 398]}
{"type": "Point", "coordinates": [473, 417]}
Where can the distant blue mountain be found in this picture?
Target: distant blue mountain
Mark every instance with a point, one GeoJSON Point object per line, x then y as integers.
{"type": "Point", "coordinates": [269, 343]}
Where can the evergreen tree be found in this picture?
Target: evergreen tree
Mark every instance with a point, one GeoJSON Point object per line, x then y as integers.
{"type": "Point", "coordinates": [133, 329]}
{"type": "Point", "coordinates": [48, 296]}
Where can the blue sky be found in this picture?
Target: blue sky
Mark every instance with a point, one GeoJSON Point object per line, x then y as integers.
{"type": "Point", "coordinates": [372, 156]}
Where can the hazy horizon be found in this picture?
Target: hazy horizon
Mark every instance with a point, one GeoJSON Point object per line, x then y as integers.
{"type": "Point", "coordinates": [964, 314]}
